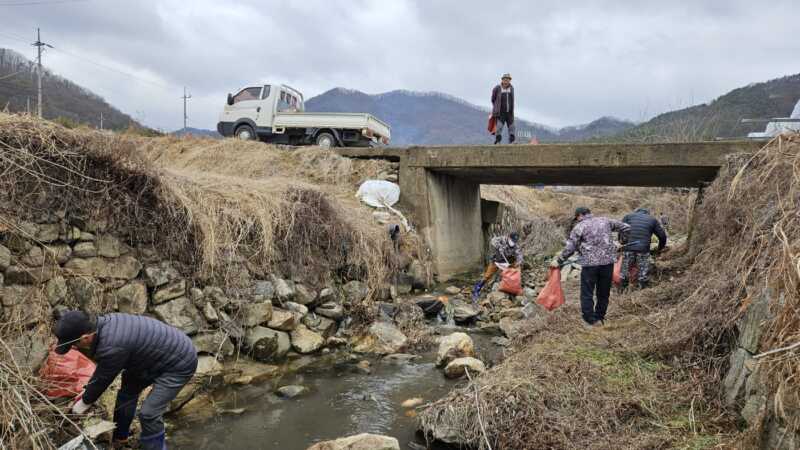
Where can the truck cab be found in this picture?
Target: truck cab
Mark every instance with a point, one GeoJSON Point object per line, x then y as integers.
{"type": "Point", "coordinates": [276, 114]}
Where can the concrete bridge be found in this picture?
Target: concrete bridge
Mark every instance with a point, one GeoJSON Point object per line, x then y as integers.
{"type": "Point", "coordinates": [441, 185]}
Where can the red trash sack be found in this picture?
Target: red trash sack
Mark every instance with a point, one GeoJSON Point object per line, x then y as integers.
{"type": "Point", "coordinates": [616, 278]}
{"type": "Point", "coordinates": [511, 281]}
{"type": "Point", "coordinates": [66, 375]}
{"type": "Point", "coordinates": [551, 296]}
{"type": "Point", "coordinates": [492, 126]}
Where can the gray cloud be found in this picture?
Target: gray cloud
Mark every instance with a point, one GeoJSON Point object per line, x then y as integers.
{"type": "Point", "coordinates": [571, 63]}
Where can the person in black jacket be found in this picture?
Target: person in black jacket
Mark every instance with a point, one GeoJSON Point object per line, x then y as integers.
{"type": "Point", "coordinates": [637, 245]}
{"type": "Point", "coordinates": [146, 351]}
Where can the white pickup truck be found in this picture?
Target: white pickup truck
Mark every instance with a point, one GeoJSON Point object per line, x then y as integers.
{"type": "Point", "coordinates": [276, 113]}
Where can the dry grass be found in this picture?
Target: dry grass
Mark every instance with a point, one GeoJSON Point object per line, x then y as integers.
{"type": "Point", "coordinates": [652, 378]}
{"type": "Point", "coordinates": [222, 208]}
{"type": "Point", "coordinates": [559, 205]}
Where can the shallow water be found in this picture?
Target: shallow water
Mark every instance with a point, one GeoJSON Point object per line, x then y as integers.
{"type": "Point", "coordinates": [341, 402]}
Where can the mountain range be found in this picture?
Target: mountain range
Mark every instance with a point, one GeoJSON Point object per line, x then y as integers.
{"type": "Point", "coordinates": [722, 117]}
{"type": "Point", "coordinates": [434, 118]}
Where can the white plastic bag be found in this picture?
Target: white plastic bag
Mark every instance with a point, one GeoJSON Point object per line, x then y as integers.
{"type": "Point", "coordinates": [378, 193]}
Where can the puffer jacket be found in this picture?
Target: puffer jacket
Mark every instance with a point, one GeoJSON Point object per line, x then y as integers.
{"type": "Point", "coordinates": [144, 347]}
{"type": "Point", "coordinates": [643, 226]}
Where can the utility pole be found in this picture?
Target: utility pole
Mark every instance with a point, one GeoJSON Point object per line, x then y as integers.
{"type": "Point", "coordinates": [101, 120]}
{"type": "Point", "coordinates": [185, 116]}
{"type": "Point", "coordinates": [28, 105]}
{"type": "Point", "coordinates": [39, 45]}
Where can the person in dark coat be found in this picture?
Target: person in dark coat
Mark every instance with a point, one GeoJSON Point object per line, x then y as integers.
{"type": "Point", "coordinates": [503, 109]}
{"type": "Point", "coordinates": [637, 245]}
{"type": "Point", "coordinates": [146, 351]}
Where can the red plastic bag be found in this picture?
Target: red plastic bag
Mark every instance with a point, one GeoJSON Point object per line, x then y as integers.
{"type": "Point", "coordinates": [492, 127]}
{"type": "Point", "coordinates": [66, 375]}
{"type": "Point", "coordinates": [551, 296]}
{"type": "Point", "coordinates": [616, 278]}
{"type": "Point", "coordinates": [511, 281]}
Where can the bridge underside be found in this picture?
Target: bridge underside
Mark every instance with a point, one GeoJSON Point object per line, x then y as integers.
{"type": "Point", "coordinates": [671, 176]}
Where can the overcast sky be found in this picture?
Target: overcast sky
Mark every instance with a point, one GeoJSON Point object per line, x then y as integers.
{"type": "Point", "coordinates": [571, 61]}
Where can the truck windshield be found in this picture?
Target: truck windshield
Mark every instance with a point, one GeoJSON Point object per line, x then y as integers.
{"type": "Point", "coordinates": [265, 92]}
{"type": "Point", "coordinates": [245, 94]}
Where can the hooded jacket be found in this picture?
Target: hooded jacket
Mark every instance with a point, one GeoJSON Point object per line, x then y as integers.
{"type": "Point", "coordinates": [643, 227]}
{"type": "Point", "coordinates": [145, 348]}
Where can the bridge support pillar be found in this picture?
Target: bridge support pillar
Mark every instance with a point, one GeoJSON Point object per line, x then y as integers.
{"type": "Point", "coordinates": [447, 212]}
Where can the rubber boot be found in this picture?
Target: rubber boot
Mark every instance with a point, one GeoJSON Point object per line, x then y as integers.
{"type": "Point", "coordinates": [156, 442]}
{"type": "Point", "coordinates": [476, 291]}
{"type": "Point", "coordinates": [511, 139]}
{"type": "Point", "coordinates": [497, 138]}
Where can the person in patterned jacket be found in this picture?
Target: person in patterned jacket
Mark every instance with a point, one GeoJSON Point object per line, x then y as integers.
{"type": "Point", "coordinates": [506, 251]}
{"type": "Point", "coordinates": [592, 239]}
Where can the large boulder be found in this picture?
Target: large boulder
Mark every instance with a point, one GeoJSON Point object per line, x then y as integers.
{"type": "Point", "coordinates": [283, 320]}
{"type": "Point", "coordinates": [5, 258]}
{"type": "Point", "coordinates": [457, 368]}
{"type": "Point", "coordinates": [216, 343]}
{"type": "Point", "coordinates": [84, 250]}
{"type": "Point", "coordinates": [263, 290]}
{"type": "Point", "coordinates": [359, 442]}
{"type": "Point", "coordinates": [381, 338]}
{"type": "Point", "coordinates": [453, 346]}
{"type": "Point", "coordinates": [108, 246]}
{"type": "Point", "coordinates": [124, 267]}
{"type": "Point", "coordinates": [330, 310]}
{"type": "Point", "coordinates": [306, 341]}
{"type": "Point", "coordinates": [304, 295]}
{"type": "Point", "coordinates": [256, 313]}
{"type": "Point", "coordinates": [181, 314]}
{"type": "Point", "coordinates": [29, 275]}
{"type": "Point", "coordinates": [57, 291]}
{"type": "Point", "coordinates": [300, 310]}
{"type": "Point", "coordinates": [355, 291]}
{"type": "Point", "coordinates": [169, 291]}
{"type": "Point", "coordinates": [464, 312]}
{"type": "Point", "coordinates": [132, 298]}
{"type": "Point", "coordinates": [265, 344]}
{"type": "Point", "coordinates": [160, 274]}
{"type": "Point", "coordinates": [319, 324]}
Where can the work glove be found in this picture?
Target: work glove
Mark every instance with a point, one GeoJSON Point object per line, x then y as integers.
{"type": "Point", "coordinates": [80, 407]}
{"type": "Point", "coordinates": [476, 291]}
{"type": "Point", "coordinates": [555, 263]}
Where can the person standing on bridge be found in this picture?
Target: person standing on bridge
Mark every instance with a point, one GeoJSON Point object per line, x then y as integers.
{"type": "Point", "coordinates": [503, 109]}
{"type": "Point", "coordinates": [592, 239]}
{"type": "Point", "coordinates": [637, 245]}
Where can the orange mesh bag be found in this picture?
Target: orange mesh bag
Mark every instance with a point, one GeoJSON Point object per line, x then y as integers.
{"type": "Point", "coordinates": [511, 281]}
{"type": "Point", "coordinates": [492, 126]}
{"type": "Point", "coordinates": [551, 296]}
{"type": "Point", "coordinates": [66, 375]}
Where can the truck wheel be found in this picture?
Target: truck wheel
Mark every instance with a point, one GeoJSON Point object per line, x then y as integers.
{"type": "Point", "coordinates": [245, 133]}
{"type": "Point", "coordinates": [326, 140]}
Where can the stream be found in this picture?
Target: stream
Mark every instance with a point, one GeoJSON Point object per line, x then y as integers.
{"type": "Point", "coordinates": [341, 401]}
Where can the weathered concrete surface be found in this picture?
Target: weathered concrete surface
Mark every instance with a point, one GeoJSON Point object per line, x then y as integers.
{"type": "Point", "coordinates": [441, 185]}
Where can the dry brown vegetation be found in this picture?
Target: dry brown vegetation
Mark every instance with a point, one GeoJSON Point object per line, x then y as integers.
{"type": "Point", "coordinates": [215, 206]}
{"type": "Point", "coordinates": [652, 379]}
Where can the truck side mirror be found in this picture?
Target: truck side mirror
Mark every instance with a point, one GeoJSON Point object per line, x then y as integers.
{"type": "Point", "coordinates": [230, 100]}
